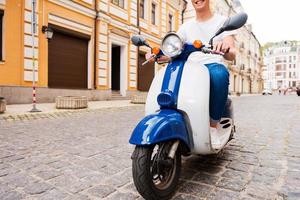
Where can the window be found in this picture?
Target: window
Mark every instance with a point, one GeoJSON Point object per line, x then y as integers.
{"type": "Point", "coordinates": [118, 3]}
{"type": "Point", "coordinates": [170, 22]}
{"type": "Point", "coordinates": [153, 13]}
{"type": "Point", "coordinates": [142, 9]}
{"type": "Point", "coordinates": [1, 34]}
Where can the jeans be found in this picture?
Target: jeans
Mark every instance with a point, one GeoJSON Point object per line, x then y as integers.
{"type": "Point", "coordinates": [219, 83]}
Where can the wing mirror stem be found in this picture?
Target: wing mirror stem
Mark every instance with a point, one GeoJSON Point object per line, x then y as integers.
{"type": "Point", "coordinates": [211, 41]}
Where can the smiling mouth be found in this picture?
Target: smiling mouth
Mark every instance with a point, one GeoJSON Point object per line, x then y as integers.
{"type": "Point", "coordinates": [199, 2]}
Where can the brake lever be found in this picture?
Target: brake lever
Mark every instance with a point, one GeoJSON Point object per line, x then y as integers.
{"type": "Point", "coordinates": [147, 61]}
{"type": "Point", "coordinates": [208, 50]}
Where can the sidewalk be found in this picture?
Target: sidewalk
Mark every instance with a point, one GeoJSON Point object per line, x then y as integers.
{"type": "Point", "coordinates": [21, 111]}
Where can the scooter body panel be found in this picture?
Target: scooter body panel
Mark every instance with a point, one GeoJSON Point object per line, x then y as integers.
{"type": "Point", "coordinates": [186, 84]}
{"type": "Point", "coordinates": [152, 106]}
{"type": "Point", "coordinates": [164, 125]}
{"type": "Point", "coordinates": [193, 99]}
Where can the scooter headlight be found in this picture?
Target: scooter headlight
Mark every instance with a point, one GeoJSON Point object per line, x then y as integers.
{"type": "Point", "coordinates": [172, 45]}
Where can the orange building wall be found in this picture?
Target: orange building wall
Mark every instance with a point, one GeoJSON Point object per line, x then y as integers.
{"type": "Point", "coordinates": [11, 70]}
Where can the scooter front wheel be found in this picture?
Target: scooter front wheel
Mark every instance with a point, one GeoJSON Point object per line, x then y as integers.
{"type": "Point", "coordinates": [155, 175]}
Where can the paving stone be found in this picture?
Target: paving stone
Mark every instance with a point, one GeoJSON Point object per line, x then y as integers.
{"type": "Point", "coordinates": [261, 191]}
{"type": "Point", "coordinates": [122, 196]}
{"type": "Point", "coordinates": [78, 197]}
{"type": "Point", "coordinates": [239, 166]}
{"type": "Point", "coordinates": [264, 179]}
{"type": "Point", "coordinates": [48, 174]}
{"type": "Point", "coordinates": [101, 191]}
{"type": "Point", "coordinates": [4, 188]}
{"type": "Point", "coordinates": [186, 197]}
{"type": "Point", "coordinates": [53, 194]}
{"type": "Point", "coordinates": [130, 188]}
{"type": "Point", "coordinates": [232, 184]}
{"type": "Point", "coordinates": [188, 173]}
{"type": "Point", "coordinates": [19, 180]}
{"type": "Point", "coordinates": [37, 188]}
{"type": "Point", "coordinates": [195, 189]}
{"type": "Point", "coordinates": [63, 181]}
{"type": "Point", "coordinates": [218, 194]}
{"type": "Point", "coordinates": [230, 173]}
{"type": "Point", "coordinates": [206, 178]}
{"type": "Point", "coordinates": [78, 186]}
{"type": "Point", "coordinates": [59, 164]}
{"type": "Point", "coordinates": [11, 195]}
{"type": "Point", "coordinates": [119, 179]}
{"type": "Point", "coordinates": [267, 171]}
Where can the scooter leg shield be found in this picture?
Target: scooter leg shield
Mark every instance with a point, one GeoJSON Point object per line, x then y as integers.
{"type": "Point", "coordinates": [163, 126]}
{"type": "Point", "coordinates": [228, 110]}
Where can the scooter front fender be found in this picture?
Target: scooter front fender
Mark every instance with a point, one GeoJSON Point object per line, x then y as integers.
{"type": "Point", "coordinates": [162, 126]}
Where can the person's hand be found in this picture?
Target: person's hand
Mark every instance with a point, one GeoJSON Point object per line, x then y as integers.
{"type": "Point", "coordinates": [162, 59]}
{"type": "Point", "coordinates": [221, 47]}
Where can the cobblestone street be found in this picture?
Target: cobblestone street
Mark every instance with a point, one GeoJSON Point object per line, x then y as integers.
{"type": "Point", "coordinates": [87, 156]}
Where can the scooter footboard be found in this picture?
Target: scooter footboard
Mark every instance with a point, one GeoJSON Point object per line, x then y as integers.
{"type": "Point", "coordinates": [163, 126]}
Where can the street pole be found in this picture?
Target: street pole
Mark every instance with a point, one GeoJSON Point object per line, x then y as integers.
{"type": "Point", "coordinates": [33, 31]}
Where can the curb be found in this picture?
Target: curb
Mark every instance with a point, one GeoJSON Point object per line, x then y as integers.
{"type": "Point", "coordinates": [57, 114]}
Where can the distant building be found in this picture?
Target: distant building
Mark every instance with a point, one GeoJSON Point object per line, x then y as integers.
{"type": "Point", "coordinates": [282, 65]}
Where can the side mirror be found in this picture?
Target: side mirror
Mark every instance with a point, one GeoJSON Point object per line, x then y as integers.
{"type": "Point", "coordinates": [232, 23]}
{"type": "Point", "coordinates": [138, 41]}
{"type": "Point", "coordinates": [235, 22]}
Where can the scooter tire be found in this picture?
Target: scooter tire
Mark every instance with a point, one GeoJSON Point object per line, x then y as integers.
{"type": "Point", "coordinates": [142, 176]}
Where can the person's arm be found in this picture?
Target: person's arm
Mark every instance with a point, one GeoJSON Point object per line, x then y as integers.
{"type": "Point", "coordinates": [226, 46]}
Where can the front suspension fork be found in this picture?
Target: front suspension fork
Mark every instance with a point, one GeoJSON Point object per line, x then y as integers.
{"type": "Point", "coordinates": [173, 149]}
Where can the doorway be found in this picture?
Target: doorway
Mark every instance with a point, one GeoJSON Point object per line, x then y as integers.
{"type": "Point", "coordinates": [145, 73]}
{"type": "Point", "coordinates": [242, 86]}
{"type": "Point", "coordinates": [115, 67]}
{"type": "Point", "coordinates": [234, 83]}
{"type": "Point", "coordinates": [68, 60]}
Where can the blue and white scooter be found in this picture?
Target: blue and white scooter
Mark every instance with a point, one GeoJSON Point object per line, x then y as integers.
{"type": "Point", "coordinates": [177, 116]}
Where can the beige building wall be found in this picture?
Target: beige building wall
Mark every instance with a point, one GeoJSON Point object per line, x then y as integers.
{"type": "Point", "coordinates": [245, 71]}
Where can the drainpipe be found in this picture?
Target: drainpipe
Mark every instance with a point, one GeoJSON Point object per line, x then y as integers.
{"type": "Point", "coordinates": [183, 10]}
{"type": "Point", "coordinates": [138, 15]}
{"type": "Point", "coordinates": [138, 49]}
{"type": "Point", "coordinates": [95, 43]}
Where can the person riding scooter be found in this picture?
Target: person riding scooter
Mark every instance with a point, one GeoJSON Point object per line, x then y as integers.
{"type": "Point", "coordinates": [177, 120]}
{"type": "Point", "coordinates": [203, 28]}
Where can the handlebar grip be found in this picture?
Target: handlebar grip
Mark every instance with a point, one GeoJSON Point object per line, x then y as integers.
{"type": "Point", "coordinates": [210, 51]}
{"type": "Point", "coordinates": [147, 61]}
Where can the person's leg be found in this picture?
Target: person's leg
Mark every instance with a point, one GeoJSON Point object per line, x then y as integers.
{"type": "Point", "coordinates": [219, 82]}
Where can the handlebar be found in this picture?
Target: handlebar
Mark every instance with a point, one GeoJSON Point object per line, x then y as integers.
{"type": "Point", "coordinates": [210, 51]}
{"type": "Point", "coordinates": [188, 50]}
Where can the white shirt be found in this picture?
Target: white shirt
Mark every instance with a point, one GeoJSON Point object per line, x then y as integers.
{"type": "Point", "coordinates": [204, 31]}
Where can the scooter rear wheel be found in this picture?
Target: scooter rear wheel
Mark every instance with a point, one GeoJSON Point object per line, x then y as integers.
{"type": "Point", "coordinates": [154, 174]}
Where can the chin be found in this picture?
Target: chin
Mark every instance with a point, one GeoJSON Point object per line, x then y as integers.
{"type": "Point", "coordinates": [200, 5]}
{"type": "Point", "coordinates": [200, 9]}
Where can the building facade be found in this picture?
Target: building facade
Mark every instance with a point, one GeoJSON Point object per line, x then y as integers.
{"type": "Point", "coordinates": [246, 70]}
{"type": "Point", "coordinates": [90, 52]}
{"type": "Point", "coordinates": [282, 65]}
